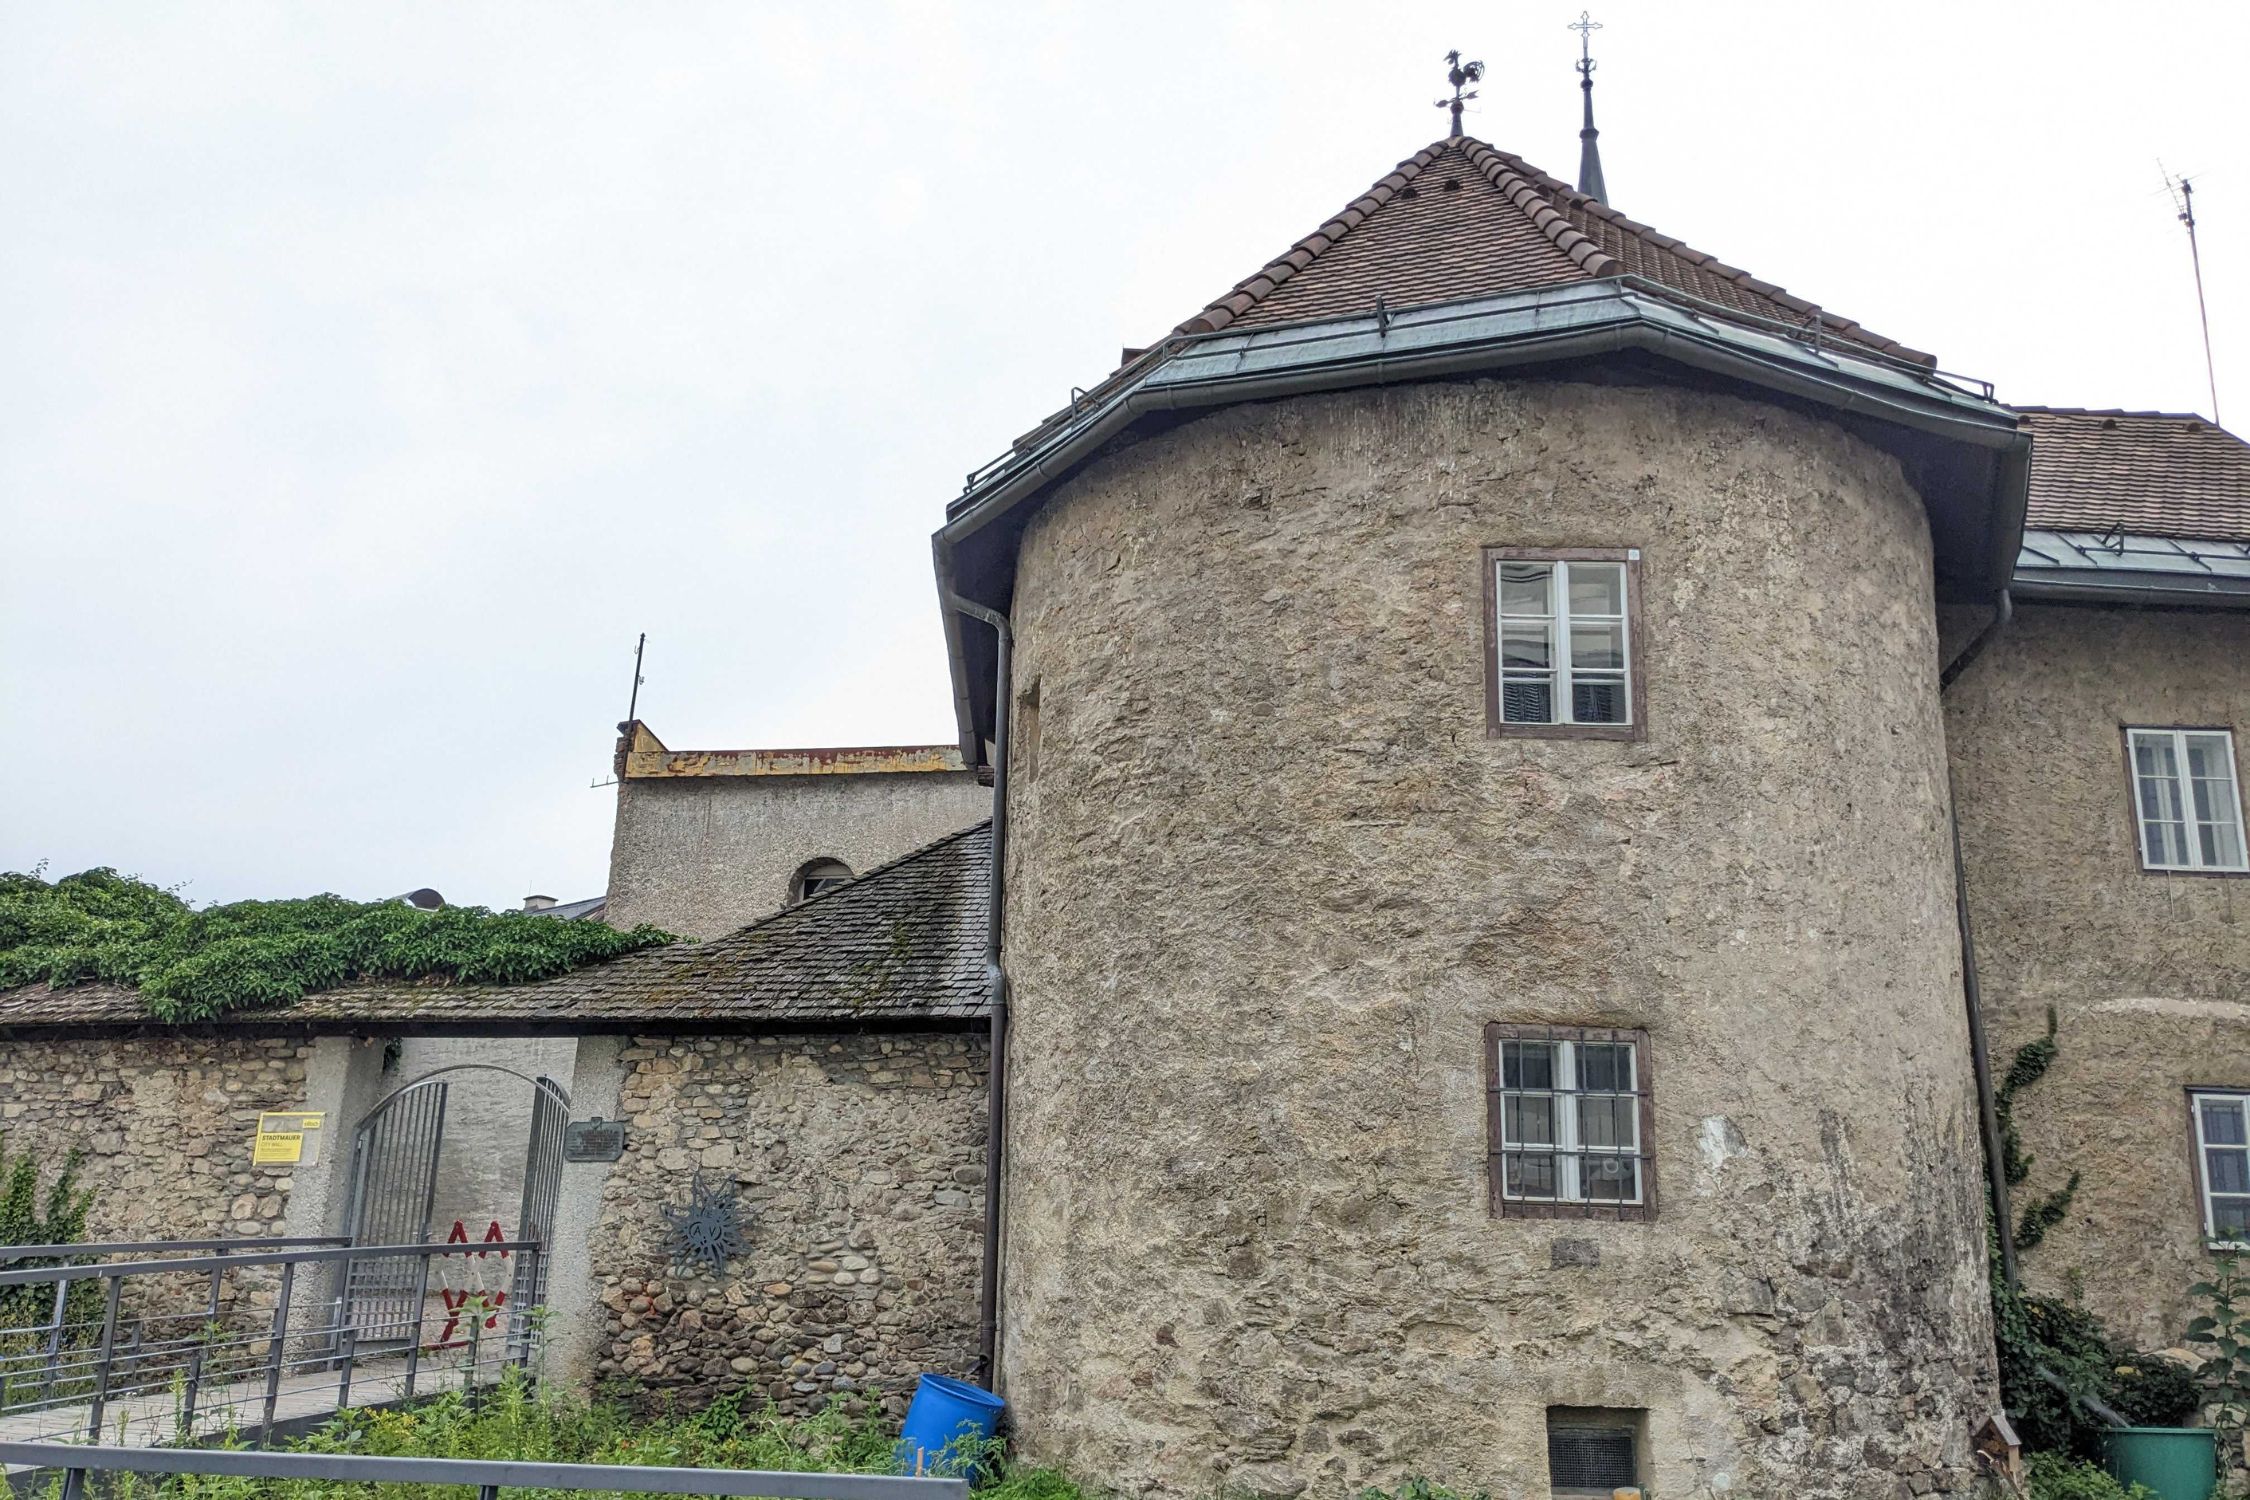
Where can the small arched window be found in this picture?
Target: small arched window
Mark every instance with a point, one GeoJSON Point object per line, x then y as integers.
{"type": "Point", "coordinates": [815, 876]}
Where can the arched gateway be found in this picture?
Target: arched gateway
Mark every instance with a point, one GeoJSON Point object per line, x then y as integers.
{"type": "Point", "coordinates": [402, 1160]}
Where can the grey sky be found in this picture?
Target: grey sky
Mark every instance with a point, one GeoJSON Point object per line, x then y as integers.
{"type": "Point", "coordinates": [373, 373]}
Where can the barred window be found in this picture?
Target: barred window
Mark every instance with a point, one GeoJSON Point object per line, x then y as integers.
{"type": "Point", "coordinates": [2222, 1159]}
{"type": "Point", "coordinates": [1562, 654]}
{"type": "Point", "coordinates": [1570, 1122]}
{"type": "Point", "coordinates": [2185, 800]}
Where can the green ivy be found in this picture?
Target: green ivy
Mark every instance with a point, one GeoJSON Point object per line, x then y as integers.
{"type": "Point", "coordinates": [2046, 1334]}
{"type": "Point", "coordinates": [2225, 1331]}
{"type": "Point", "coordinates": [191, 964]}
{"type": "Point", "coordinates": [30, 1216]}
{"type": "Point", "coordinates": [2030, 1065]}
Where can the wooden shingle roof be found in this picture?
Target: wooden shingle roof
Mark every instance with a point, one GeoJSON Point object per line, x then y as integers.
{"type": "Point", "coordinates": [902, 944]}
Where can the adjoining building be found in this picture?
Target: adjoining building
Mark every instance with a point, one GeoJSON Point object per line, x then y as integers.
{"type": "Point", "coordinates": [707, 840]}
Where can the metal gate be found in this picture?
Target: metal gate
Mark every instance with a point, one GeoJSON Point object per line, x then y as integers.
{"type": "Point", "coordinates": [393, 1191]}
{"type": "Point", "coordinates": [542, 1185]}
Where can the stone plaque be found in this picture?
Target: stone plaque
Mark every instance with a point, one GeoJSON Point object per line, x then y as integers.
{"type": "Point", "coordinates": [594, 1140]}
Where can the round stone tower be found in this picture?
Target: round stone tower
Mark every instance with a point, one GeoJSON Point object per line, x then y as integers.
{"type": "Point", "coordinates": [1289, 915]}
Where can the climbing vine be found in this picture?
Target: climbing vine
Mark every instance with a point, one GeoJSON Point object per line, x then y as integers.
{"type": "Point", "coordinates": [32, 1215]}
{"type": "Point", "coordinates": [192, 963]}
{"type": "Point", "coordinates": [2058, 1369]}
{"type": "Point", "coordinates": [2040, 1214]}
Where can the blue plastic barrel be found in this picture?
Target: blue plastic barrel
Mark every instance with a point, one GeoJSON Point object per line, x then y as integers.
{"type": "Point", "coordinates": [947, 1426]}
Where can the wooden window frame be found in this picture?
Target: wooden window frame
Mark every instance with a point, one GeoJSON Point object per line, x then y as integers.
{"type": "Point", "coordinates": [1504, 1207]}
{"type": "Point", "coordinates": [2125, 733]}
{"type": "Point", "coordinates": [2206, 1222]}
{"type": "Point", "coordinates": [1498, 727]}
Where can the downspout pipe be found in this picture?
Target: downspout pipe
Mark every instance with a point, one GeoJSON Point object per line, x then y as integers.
{"type": "Point", "coordinates": [996, 987]}
{"type": "Point", "coordinates": [1972, 994]}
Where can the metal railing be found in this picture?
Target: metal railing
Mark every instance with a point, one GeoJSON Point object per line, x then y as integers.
{"type": "Point", "coordinates": [488, 1477]}
{"type": "Point", "coordinates": [76, 1253]}
{"type": "Point", "coordinates": [232, 1337]}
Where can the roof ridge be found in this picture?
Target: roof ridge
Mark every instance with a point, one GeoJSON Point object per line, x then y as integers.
{"type": "Point", "coordinates": [857, 882]}
{"type": "Point", "coordinates": [1702, 260]}
{"type": "Point", "coordinates": [2113, 411]}
{"type": "Point", "coordinates": [1508, 174]}
{"type": "Point", "coordinates": [1247, 293]}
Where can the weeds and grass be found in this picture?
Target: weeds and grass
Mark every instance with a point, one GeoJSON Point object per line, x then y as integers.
{"type": "Point", "coordinates": [1419, 1488]}
{"type": "Point", "coordinates": [513, 1421]}
{"type": "Point", "coordinates": [2053, 1476]}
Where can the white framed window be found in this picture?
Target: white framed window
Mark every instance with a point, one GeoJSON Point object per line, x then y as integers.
{"type": "Point", "coordinates": [2186, 804]}
{"type": "Point", "coordinates": [1562, 646]}
{"type": "Point", "coordinates": [1568, 1125]}
{"type": "Point", "coordinates": [2222, 1164]}
{"type": "Point", "coordinates": [815, 876]}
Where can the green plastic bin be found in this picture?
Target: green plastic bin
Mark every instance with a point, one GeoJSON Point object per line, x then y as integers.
{"type": "Point", "coordinates": [2179, 1463]}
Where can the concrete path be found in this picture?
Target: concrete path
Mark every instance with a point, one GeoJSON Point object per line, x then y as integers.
{"type": "Point", "coordinates": [308, 1393]}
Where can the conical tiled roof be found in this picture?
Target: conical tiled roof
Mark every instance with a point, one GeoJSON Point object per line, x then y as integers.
{"type": "Point", "coordinates": [1461, 219]}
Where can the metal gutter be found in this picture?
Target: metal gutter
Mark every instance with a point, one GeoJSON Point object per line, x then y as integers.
{"type": "Point", "coordinates": [1972, 990]}
{"type": "Point", "coordinates": [1540, 326]}
{"type": "Point", "coordinates": [2122, 567]}
{"type": "Point", "coordinates": [996, 979]}
{"type": "Point", "coordinates": [1575, 321]}
{"type": "Point", "coordinates": [2116, 589]}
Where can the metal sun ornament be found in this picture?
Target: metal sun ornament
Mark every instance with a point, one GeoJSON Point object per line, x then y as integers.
{"type": "Point", "coordinates": [707, 1229]}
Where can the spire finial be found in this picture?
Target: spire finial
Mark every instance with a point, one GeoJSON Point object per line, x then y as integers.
{"type": "Point", "coordinates": [1589, 149]}
{"type": "Point", "coordinates": [1460, 74]}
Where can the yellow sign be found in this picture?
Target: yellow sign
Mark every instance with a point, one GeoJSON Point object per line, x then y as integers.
{"type": "Point", "coordinates": [288, 1138]}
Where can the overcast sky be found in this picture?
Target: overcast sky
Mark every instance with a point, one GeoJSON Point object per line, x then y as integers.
{"type": "Point", "coordinates": [373, 373]}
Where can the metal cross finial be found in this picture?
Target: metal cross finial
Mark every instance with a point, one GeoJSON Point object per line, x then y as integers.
{"type": "Point", "coordinates": [1585, 26]}
{"type": "Point", "coordinates": [1460, 74]}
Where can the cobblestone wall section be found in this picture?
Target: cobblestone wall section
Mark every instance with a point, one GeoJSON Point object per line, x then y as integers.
{"type": "Point", "coordinates": [859, 1165]}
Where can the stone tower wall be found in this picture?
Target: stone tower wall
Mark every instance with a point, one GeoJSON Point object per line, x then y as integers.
{"type": "Point", "coordinates": [1270, 881]}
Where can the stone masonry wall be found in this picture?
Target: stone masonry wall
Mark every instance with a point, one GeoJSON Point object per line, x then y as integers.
{"type": "Point", "coordinates": [2148, 974]}
{"type": "Point", "coordinates": [1270, 880]}
{"type": "Point", "coordinates": [859, 1161]}
{"type": "Point", "coordinates": [165, 1124]}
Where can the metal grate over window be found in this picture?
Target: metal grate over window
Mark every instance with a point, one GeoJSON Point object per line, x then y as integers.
{"type": "Point", "coordinates": [1570, 1124]}
{"type": "Point", "coordinates": [1596, 1459]}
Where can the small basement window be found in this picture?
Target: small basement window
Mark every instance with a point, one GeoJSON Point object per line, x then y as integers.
{"type": "Point", "coordinates": [1594, 1450]}
{"type": "Point", "coordinates": [2185, 800]}
{"type": "Point", "coordinates": [2222, 1165]}
{"type": "Point", "coordinates": [1569, 1122]}
{"type": "Point", "coordinates": [1562, 658]}
{"type": "Point", "coordinates": [815, 876]}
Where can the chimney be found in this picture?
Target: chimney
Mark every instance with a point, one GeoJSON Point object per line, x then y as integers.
{"type": "Point", "coordinates": [537, 903]}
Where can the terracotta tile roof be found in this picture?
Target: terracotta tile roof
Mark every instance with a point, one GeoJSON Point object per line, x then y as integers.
{"type": "Point", "coordinates": [1461, 219]}
{"type": "Point", "coordinates": [904, 942]}
{"type": "Point", "coordinates": [2150, 473]}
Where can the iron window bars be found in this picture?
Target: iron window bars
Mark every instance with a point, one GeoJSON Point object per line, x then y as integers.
{"type": "Point", "coordinates": [1570, 1123]}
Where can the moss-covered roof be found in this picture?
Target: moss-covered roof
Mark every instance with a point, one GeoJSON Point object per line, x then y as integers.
{"type": "Point", "coordinates": [903, 943]}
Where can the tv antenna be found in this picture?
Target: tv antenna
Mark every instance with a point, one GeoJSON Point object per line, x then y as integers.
{"type": "Point", "coordinates": [632, 708]}
{"type": "Point", "coordinates": [633, 704]}
{"type": "Point", "coordinates": [2182, 190]}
